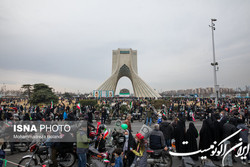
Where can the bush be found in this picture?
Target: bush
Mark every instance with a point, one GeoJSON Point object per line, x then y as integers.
{"type": "Point", "coordinates": [158, 103]}
{"type": "Point", "coordinates": [89, 102]}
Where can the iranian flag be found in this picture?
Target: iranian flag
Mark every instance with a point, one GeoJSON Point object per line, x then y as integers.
{"type": "Point", "coordinates": [78, 106]}
{"type": "Point", "coordinates": [193, 117]}
{"type": "Point", "coordinates": [106, 133]}
{"type": "Point", "coordinates": [97, 128]}
{"type": "Point", "coordinates": [105, 160]}
{"type": "Point", "coordinates": [51, 105]}
{"type": "Point", "coordinates": [131, 104]}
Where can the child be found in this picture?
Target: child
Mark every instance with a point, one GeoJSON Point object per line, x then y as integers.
{"type": "Point", "coordinates": [140, 152]}
{"type": "Point", "coordinates": [2, 153]}
{"type": "Point", "coordinates": [118, 159]}
{"type": "Point", "coordinates": [159, 118]}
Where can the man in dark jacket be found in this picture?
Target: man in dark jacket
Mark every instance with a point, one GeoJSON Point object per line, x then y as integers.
{"type": "Point", "coordinates": [228, 129]}
{"type": "Point", "coordinates": [104, 115]}
{"type": "Point", "coordinates": [8, 115]}
{"type": "Point", "coordinates": [243, 134]}
{"type": "Point", "coordinates": [149, 116]}
{"type": "Point", "coordinates": [156, 139]}
{"type": "Point", "coordinates": [71, 116]}
{"type": "Point", "coordinates": [223, 119]}
{"type": "Point", "coordinates": [167, 130]}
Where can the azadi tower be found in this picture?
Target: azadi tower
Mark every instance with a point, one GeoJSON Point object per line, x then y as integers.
{"type": "Point", "coordinates": [124, 63]}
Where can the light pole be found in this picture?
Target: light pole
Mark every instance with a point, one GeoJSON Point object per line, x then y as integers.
{"type": "Point", "coordinates": [214, 64]}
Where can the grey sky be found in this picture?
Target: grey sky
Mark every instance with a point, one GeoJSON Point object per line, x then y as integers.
{"type": "Point", "coordinates": [68, 44]}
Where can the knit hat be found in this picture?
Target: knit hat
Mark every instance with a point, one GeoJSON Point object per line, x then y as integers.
{"type": "Point", "coordinates": [139, 136]}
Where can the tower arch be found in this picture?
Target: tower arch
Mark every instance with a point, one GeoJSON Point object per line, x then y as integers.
{"type": "Point", "coordinates": [124, 63]}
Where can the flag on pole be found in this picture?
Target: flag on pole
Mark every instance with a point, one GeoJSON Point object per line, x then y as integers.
{"type": "Point", "coordinates": [78, 106]}
{"type": "Point", "coordinates": [105, 160]}
{"type": "Point", "coordinates": [97, 128]}
{"type": "Point", "coordinates": [105, 133]}
{"type": "Point", "coordinates": [193, 117]}
{"type": "Point", "coordinates": [7, 124]}
{"type": "Point", "coordinates": [131, 104]}
{"type": "Point", "coordinates": [51, 105]}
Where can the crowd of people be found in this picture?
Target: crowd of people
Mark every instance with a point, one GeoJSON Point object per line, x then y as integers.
{"type": "Point", "coordinates": [169, 129]}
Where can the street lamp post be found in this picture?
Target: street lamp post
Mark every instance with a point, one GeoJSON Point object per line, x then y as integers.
{"type": "Point", "coordinates": [214, 64]}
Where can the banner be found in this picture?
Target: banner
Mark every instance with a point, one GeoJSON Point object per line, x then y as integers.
{"type": "Point", "coordinates": [110, 93]}
{"type": "Point", "coordinates": [96, 93]}
{"type": "Point", "coordinates": [103, 93]}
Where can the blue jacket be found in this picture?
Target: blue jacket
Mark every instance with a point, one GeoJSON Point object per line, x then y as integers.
{"type": "Point", "coordinates": [118, 162]}
{"type": "Point", "coordinates": [65, 115]}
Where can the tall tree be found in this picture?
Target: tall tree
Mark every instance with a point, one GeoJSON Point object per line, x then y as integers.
{"type": "Point", "coordinates": [42, 93]}
{"type": "Point", "coordinates": [27, 88]}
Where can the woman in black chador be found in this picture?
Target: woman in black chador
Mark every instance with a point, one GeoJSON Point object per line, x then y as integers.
{"type": "Point", "coordinates": [179, 135]}
{"type": "Point", "coordinates": [191, 137]}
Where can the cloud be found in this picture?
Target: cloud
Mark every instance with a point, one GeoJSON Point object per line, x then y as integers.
{"type": "Point", "coordinates": [75, 40]}
{"type": "Point", "coordinates": [15, 79]}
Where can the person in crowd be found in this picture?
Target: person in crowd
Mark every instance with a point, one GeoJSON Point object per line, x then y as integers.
{"type": "Point", "coordinates": [156, 139]}
{"type": "Point", "coordinates": [128, 155]}
{"type": "Point", "coordinates": [67, 108]}
{"type": "Point", "coordinates": [8, 115]}
{"type": "Point", "coordinates": [26, 117]}
{"type": "Point", "coordinates": [167, 130]}
{"type": "Point", "coordinates": [223, 119]}
{"type": "Point", "coordinates": [118, 159]}
{"type": "Point", "coordinates": [100, 143]}
{"type": "Point", "coordinates": [65, 115]}
{"type": "Point", "coordinates": [140, 152]}
{"type": "Point", "coordinates": [174, 122]}
{"type": "Point", "coordinates": [90, 128]}
{"type": "Point", "coordinates": [82, 146]}
{"type": "Point", "coordinates": [159, 114]}
{"type": "Point", "coordinates": [217, 131]}
{"type": "Point", "coordinates": [206, 136]}
{"type": "Point", "coordinates": [246, 112]}
{"type": "Point", "coordinates": [243, 135]}
{"type": "Point", "coordinates": [228, 129]}
{"type": "Point", "coordinates": [149, 116]}
{"type": "Point", "coordinates": [90, 115]}
{"type": "Point", "coordinates": [179, 136]}
{"type": "Point", "coordinates": [2, 152]}
{"type": "Point", "coordinates": [53, 146]}
{"type": "Point", "coordinates": [104, 115]}
{"type": "Point", "coordinates": [140, 111]}
{"type": "Point", "coordinates": [128, 122]}
{"type": "Point", "coordinates": [191, 136]}
{"type": "Point", "coordinates": [71, 116]}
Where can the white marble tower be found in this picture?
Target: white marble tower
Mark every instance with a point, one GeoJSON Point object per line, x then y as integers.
{"type": "Point", "coordinates": [124, 63]}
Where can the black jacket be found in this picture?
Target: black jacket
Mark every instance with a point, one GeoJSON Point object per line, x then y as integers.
{"type": "Point", "coordinates": [71, 116]}
{"type": "Point", "coordinates": [229, 129]}
{"type": "Point", "coordinates": [100, 145]}
{"type": "Point", "coordinates": [167, 130]}
{"type": "Point", "coordinates": [157, 140]}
